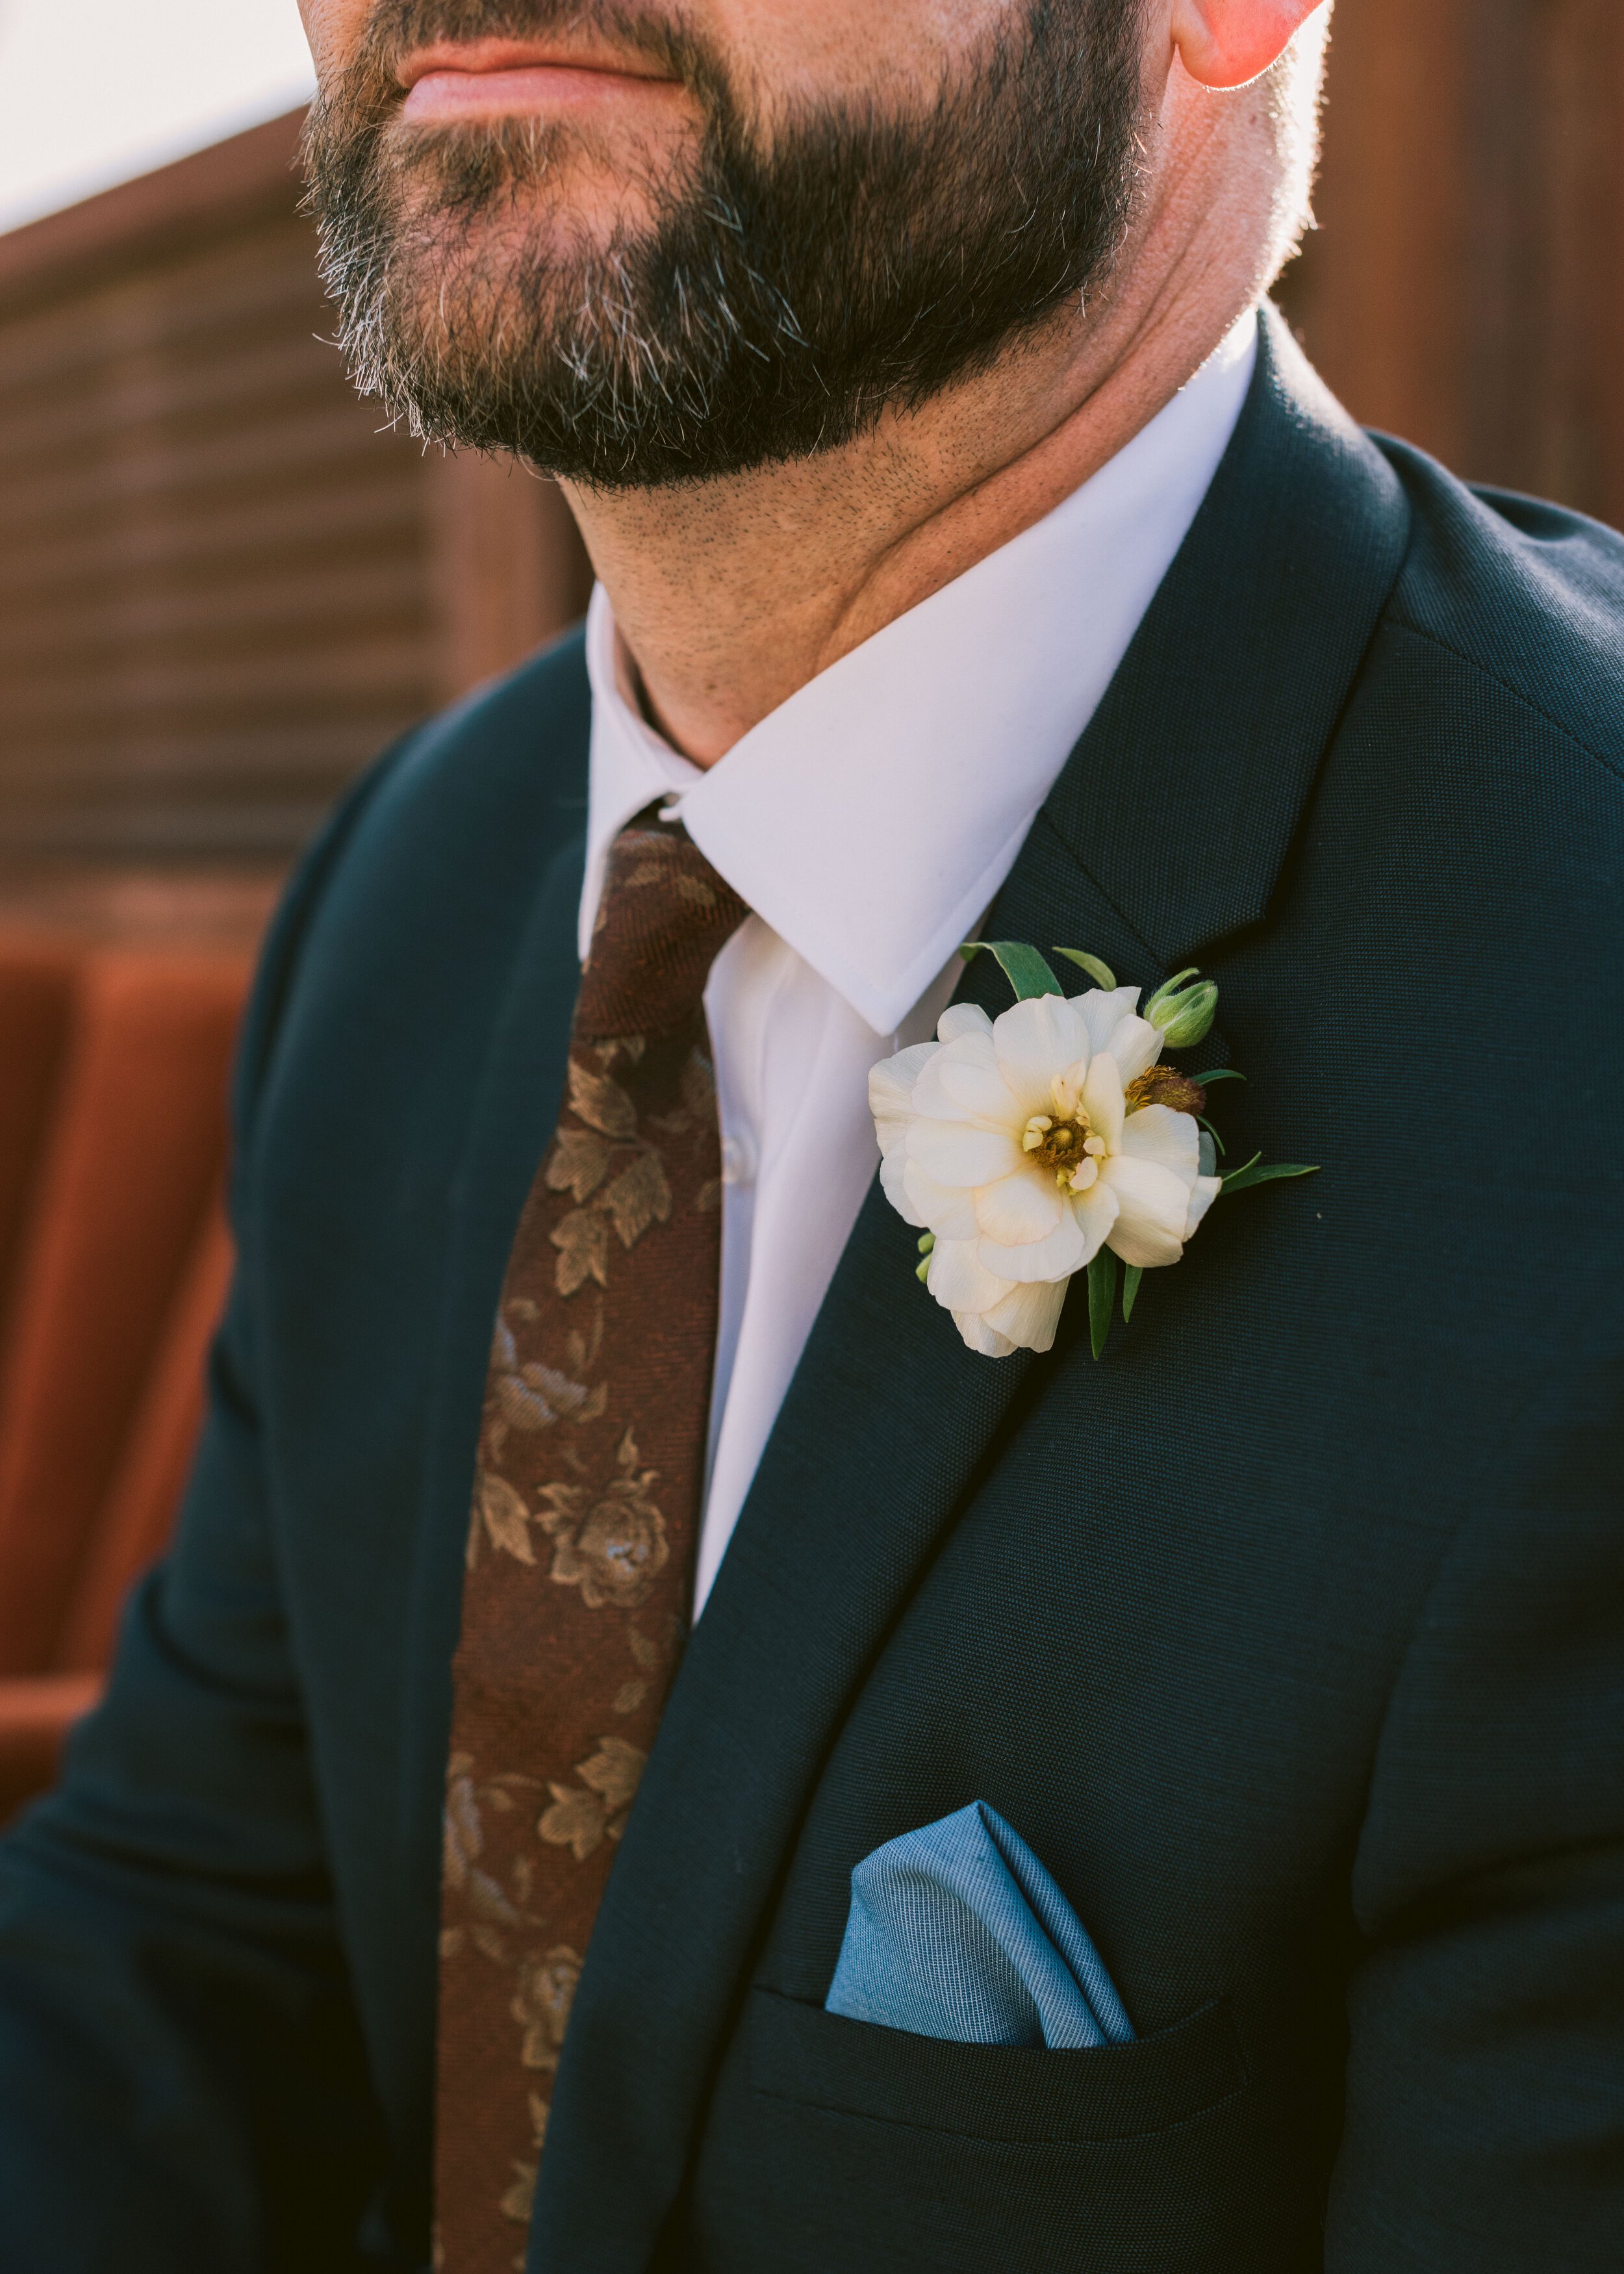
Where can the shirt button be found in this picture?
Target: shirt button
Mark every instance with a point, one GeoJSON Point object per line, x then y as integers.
{"type": "Point", "coordinates": [738, 1161]}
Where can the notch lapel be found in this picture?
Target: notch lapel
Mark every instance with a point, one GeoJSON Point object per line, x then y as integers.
{"type": "Point", "coordinates": [532, 866]}
{"type": "Point", "coordinates": [1210, 737]}
{"type": "Point", "coordinates": [1181, 801]}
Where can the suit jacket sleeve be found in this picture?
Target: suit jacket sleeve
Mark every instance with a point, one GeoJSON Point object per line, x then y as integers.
{"type": "Point", "coordinates": [1486, 2114]}
{"type": "Point", "coordinates": [182, 2082]}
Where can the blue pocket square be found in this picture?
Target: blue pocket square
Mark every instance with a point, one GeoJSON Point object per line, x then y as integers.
{"type": "Point", "coordinates": [957, 1932]}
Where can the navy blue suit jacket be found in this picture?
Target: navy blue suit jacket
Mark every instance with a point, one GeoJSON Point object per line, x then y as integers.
{"type": "Point", "coordinates": [1290, 1636]}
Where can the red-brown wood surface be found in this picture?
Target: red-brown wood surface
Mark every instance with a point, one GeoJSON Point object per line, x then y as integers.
{"type": "Point", "coordinates": [132, 1528]}
{"type": "Point", "coordinates": [35, 1715]}
{"type": "Point", "coordinates": [132, 1162]}
{"type": "Point", "coordinates": [1466, 286]}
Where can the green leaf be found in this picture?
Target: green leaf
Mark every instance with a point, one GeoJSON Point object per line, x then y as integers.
{"type": "Point", "coordinates": [1100, 973]}
{"type": "Point", "coordinates": [1252, 1174]}
{"type": "Point", "coordinates": [1218, 1074]}
{"type": "Point", "coordinates": [1131, 1279]}
{"type": "Point", "coordinates": [922, 1274]}
{"type": "Point", "coordinates": [1101, 1299]}
{"type": "Point", "coordinates": [1211, 1131]}
{"type": "Point", "coordinates": [1022, 966]}
{"type": "Point", "coordinates": [927, 1242]}
{"type": "Point", "coordinates": [1171, 987]}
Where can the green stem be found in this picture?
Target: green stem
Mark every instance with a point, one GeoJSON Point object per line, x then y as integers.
{"type": "Point", "coordinates": [1101, 1299]}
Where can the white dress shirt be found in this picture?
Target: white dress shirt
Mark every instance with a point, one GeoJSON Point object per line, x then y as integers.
{"type": "Point", "coordinates": [869, 822]}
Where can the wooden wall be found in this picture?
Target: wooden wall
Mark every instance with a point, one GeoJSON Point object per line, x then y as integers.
{"type": "Point", "coordinates": [222, 587]}
{"type": "Point", "coordinates": [1465, 288]}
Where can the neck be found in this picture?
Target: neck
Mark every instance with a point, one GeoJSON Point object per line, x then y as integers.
{"type": "Point", "coordinates": [730, 595]}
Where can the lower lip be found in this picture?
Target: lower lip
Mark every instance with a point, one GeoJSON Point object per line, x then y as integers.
{"type": "Point", "coordinates": [443, 96]}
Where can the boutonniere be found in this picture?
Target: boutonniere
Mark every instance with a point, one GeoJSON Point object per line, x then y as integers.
{"type": "Point", "coordinates": [1052, 1140]}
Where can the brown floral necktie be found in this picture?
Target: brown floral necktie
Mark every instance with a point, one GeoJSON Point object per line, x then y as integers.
{"type": "Point", "coordinates": [586, 1508]}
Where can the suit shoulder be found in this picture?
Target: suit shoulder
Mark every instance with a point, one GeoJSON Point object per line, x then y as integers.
{"type": "Point", "coordinates": [500, 773]}
{"type": "Point", "coordinates": [522, 735]}
{"type": "Point", "coordinates": [1530, 593]}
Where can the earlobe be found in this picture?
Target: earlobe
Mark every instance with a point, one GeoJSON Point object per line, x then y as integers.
{"type": "Point", "coordinates": [1226, 43]}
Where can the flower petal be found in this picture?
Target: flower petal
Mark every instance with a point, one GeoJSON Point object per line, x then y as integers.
{"type": "Point", "coordinates": [948, 1210]}
{"type": "Point", "coordinates": [1096, 1212]}
{"type": "Point", "coordinates": [1203, 1193]}
{"type": "Point", "coordinates": [1136, 1045]}
{"type": "Point", "coordinates": [1156, 1133]}
{"type": "Point", "coordinates": [1152, 1207]}
{"type": "Point", "coordinates": [1028, 1316]}
{"type": "Point", "coordinates": [985, 1341]}
{"type": "Point", "coordinates": [1103, 1013]}
{"type": "Point", "coordinates": [957, 1089]}
{"type": "Point", "coordinates": [1102, 1100]}
{"type": "Point", "coordinates": [954, 1153]}
{"type": "Point", "coordinates": [1063, 1252]}
{"type": "Point", "coordinates": [959, 1280]}
{"type": "Point", "coordinates": [962, 1083]}
{"type": "Point", "coordinates": [1036, 1041]}
{"type": "Point", "coordinates": [894, 1168]}
{"type": "Point", "coordinates": [1019, 1209]}
{"type": "Point", "coordinates": [962, 1019]}
{"type": "Point", "coordinates": [890, 1092]}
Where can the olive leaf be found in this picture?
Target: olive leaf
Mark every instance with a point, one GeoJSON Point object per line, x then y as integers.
{"type": "Point", "coordinates": [1022, 966]}
{"type": "Point", "coordinates": [1100, 973]}
{"type": "Point", "coordinates": [1256, 1172]}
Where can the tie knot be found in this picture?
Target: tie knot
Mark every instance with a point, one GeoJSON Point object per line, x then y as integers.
{"type": "Point", "coordinates": [664, 917]}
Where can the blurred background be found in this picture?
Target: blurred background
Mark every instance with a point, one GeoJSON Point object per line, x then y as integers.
{"type": "Point", "coordinates": [222, 588]}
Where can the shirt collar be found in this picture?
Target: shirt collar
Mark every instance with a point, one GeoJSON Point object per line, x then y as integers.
{"type": "Point", "coordinates": [871, 818]}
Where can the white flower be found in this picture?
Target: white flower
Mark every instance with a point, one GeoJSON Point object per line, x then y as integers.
{"type": "Point", "coordinates": [1028, 1143]}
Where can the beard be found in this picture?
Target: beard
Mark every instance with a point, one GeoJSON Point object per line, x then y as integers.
{"type": "Point", "coordinates": [776, 294]}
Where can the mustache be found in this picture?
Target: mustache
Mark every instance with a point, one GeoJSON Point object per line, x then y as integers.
{"type": "Point", "coordinates": [660, 36]}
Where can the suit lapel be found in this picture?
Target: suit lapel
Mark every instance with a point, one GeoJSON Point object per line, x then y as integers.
{"type": "Point", "coordinates": [534, 878]}
{"type": "Point", "coordinates": [1210, 735]}
{"type": "Point", "coordinates": [1181, 801]}
{"type": "Point", "coordinates": [514, 1114]}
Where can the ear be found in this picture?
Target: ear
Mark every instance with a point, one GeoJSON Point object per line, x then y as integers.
{"type": "Point", "coordinates": [1225, 43]}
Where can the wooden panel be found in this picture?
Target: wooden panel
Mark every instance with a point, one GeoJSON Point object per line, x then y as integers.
{"type": "Point", "coordinates": [222, 588]}
{"type": "Point", "coordinates": [165, 676]}
{"type": "Point", "coordinates": [1464, 286]}
{"type": "Point", "coordinates": [510, 569]}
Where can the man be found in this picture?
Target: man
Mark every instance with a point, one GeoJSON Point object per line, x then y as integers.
{"type": "Point", "coordinates": [975, 559]}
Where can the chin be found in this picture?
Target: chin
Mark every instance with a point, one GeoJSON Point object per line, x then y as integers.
{"type": "Point", "coordinates": [583, 184]}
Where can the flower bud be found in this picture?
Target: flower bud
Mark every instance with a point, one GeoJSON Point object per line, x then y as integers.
{"type": "Point", "coordinates": [1184, 1014]}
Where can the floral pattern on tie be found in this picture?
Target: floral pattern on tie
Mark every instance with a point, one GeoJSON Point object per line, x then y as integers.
{"type": "Point", "coordinates": [581, 1529]}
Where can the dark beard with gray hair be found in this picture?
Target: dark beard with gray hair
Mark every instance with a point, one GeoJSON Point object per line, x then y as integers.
{"type": "Point", "coordinates": [779, 297]}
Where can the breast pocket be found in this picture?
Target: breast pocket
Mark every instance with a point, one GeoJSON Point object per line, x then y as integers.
{"type": "Point", "coordinates": [835, 2144]}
